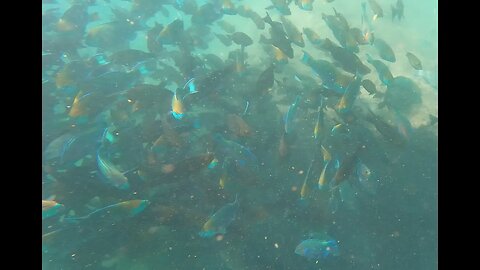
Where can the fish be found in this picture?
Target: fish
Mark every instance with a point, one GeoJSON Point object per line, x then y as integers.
{"type": "Point", "coordinates": [227, 27]}
{"type": "Point", "coordinates": [370, 87]}
{"type": "Point", "coordinates": [187, 6]}
{"type": "Point", "coordinates": [51, 208]}
{"type": "Point", "coordinates": [376, 9]}
{"type": "Point", "coordinates": [397, 10]}
{"type": "Point", "coordinates": [114, 212]}
{"type": "Point", "coordinates": [111, 36]}
{"type": "Point", "coordinates": [110, 174]}
{"type": "Point", "coordinates": [384, 50]}
{"type": "Point", "coordinates": [351, 93]}
{"type": "Point", "coordinates": [241, 39]}
{"type": "Point", "coordinates": [319, 124]}
{"type": "Point", "coordinates": [220, 220]}
{"type": "Point", "coordinates": [290, 116]}
{"type": "Point", "coordinates": [153, 45]}
{"type": "Point", "coordinates": [257, 20]}
{"type": "Point", "coordinates": [384, 74]}
{"type": "Point", "coordinates": [346, 168]}
{"type": "Point", "coordinates": [243, 158]}
{"type": "Point", "coordinates": [178, 110]}
{"type": "Point", "coordinates": [238, 126]}
{"type": "Point", "coordinates": [313, 37]}
{"type": "Point", "coordinates": [281, 6]}
{"type": "Point", "coordinates": [363, 172]}
{"type": "Point", "coordinates": [322, 180]}
{"type": "Point", "coordinates": [279, 36]}
{"type": "Point", "coordinates": [74, 19]}
{"type": "Point", "coordinates": [305, 189]}
{"type": "Point", "coordinates": [71, 74]}
{"type": "Point", "coordinates": [206, 14]}
{"type": "Point", "coordinates": [130, 57]}
{"type": "Point", "coordinates": [367, 28]}
{"type": "Point", "coordinates": [294, 35]}
{"type": "Point", "coordinates": [403, 95]}
{"type": "Point", "coordinates": [305, 4]}
{"type": "Point", "coordinates": [388, 131]}
{"type": "Point", "coordinates": [244, 11]}
{"type": "Point", "coordinates": [358, 35]}
{"type": "Point", "coordinates": [317, 248]}
{"type": "Point", "coordinates": [171, 34]}
{"type": "Point", "coordinates": [224, 39]}
{"type": "Point", "coordinates": [265, 81]}
{"type": "Point", "coordinates": [347, 59]}
{"type": "Point", "coordinates": [279, 56]}
{"type": "Point", "coordinates": [326, 155]}
{"type": "Point", "coordinates": [325, 70]}
{"type": "Point", "coordinates": [414, 61]}
{"type": "Point", "coordinates": [228, 7]}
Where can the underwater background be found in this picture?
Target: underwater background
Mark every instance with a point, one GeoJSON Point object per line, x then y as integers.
{"type": "Point", "coordinates": [239, 134]}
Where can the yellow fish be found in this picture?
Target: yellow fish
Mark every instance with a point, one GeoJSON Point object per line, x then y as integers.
{"type": "Point", "coordinates": [178, 110]}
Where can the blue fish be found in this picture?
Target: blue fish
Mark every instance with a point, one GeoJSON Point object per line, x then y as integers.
{"type": "Point", "coordinates": [241, 155]}
{"type": "Point", "coordinates": [220, 220]}
{"type": "Point", "coordinates": [110, 174]}
{"type": "Point", "coordinates": [290, 116]}
{"type": "Point", "coordinates": [317, 249]}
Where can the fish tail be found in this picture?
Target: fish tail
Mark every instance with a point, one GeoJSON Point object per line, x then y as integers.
{"type": "Point", "coordinates": [306, 57]}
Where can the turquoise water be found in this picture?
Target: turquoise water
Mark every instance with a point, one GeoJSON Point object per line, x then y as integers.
{"type": "Point", "coordinates": [255, 159]}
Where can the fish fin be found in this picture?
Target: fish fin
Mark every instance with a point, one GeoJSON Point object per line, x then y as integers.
{"type": "Point", "coordinates": [270, 7]}
{"type": "Point", "coordinates": [131, 170]}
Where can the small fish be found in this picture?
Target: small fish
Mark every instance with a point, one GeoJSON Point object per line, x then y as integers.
{"type": "Point", "coordinates": [257, 20]}
{"type": "Point", "coordinates": [281, 6]}
{"type": "Point", "coordinates": [224, 39]}
{"type": "Point", "coordinates": [367, 28]}
{"type": "Point", "coordinates": [322, 180]}
{"type": "Point", "coordinates": [227, 27]}
{"type": "Point", "coordinates": [305, 4]}
{"type": "Point", "coordinates": [265, 80]}
{"type": "Point", "coordinates": [344, 171]}
{"type": "Point", "coordinates": [241, 39]}
{"type": "Point", "coordinates": [283, 146]}
{"type": "Point", "coordinates": [363, 172]}
{"type": "Point", "coordinates": [238, 126]}
{"type": "Point", "coordinates": [319, 123]}
{"type": "Point", "coordinates": [290, 116]}
{"type": "Point", "coordinates": [313, 37]}
{"type": "Point", "coordinates": [294, 35]}
{"type": "Point", "coordinates": [383, 71]}
{"type": "Point", "coordinates": [326, 155]}
{"type": "Point", "coordinates": [414, 61]}
{"type": "Point", "coordinates": [370, 87]}
{"type": "Point", "coordinates": [279, 36]}
{"type": "Point", "coordinates": [305, 189]}
{"type": "Point", "coordinates": [351, 93]}
{"type": "Point", "coordinates": [384, 50]}
{"type": "Point", "coordinates": [228, 7]}
{"type": "Point", "coordinates": [397, 10]}
{"type": "Point", "coordinates": [110, 174]}
{"type": "Point", "coordinates": [51, 208]}
{"type": "Point", "coordinates": [395, 135]}
{"type": "Point", "coordinates": [172, 33]}
{"type": "Point", "coordinates": [114, 212]}
{"type": "Point", "coordinates": [178, 110]}
{"type": "Point", "coordinates": [220, 220]}
{"type": "Point", "coordinates": [376, 8]}
{"type": "Point", "coordinates": [279, 56]}
{"type": "Point", "coordinates": [317, 249]}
